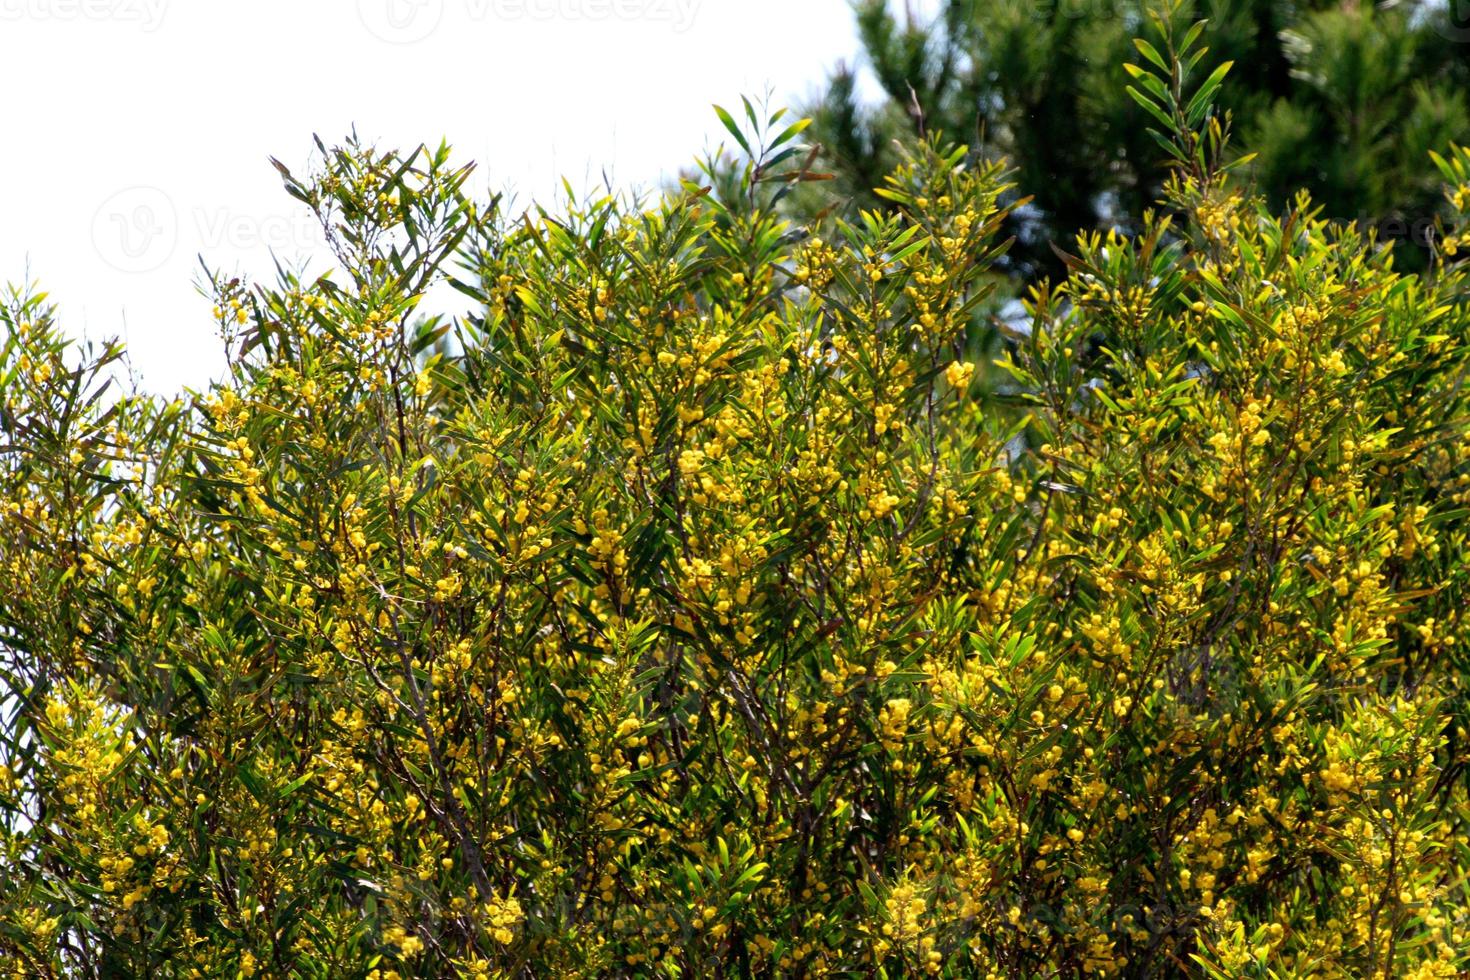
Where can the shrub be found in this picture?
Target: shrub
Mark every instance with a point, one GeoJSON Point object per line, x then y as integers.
{"type": "Point", "coordinates": [678, 613]}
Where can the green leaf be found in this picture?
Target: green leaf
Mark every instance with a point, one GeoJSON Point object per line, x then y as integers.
{"type": "Point", "coordinates": [790, 132]}
{"type": "Point", "coordinates": [1206, 93]}
{"type": "Point", "coordinates": [1149, 107]}
{"type": "Point", "coordinates": [729, 123]}
{"type": "Point", "coordinates": [295, 784]}
{"type": "Point", "coordinates": [1152, 54]}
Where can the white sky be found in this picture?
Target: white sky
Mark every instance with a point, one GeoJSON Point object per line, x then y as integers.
{"type": "Point", "coordinates": [137, 131]}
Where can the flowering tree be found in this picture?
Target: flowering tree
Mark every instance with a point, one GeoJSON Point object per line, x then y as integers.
{"type": "Point", "coordinates": [676, 612]}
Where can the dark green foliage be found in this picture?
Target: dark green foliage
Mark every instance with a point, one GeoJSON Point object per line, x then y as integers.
{"type": "Point", "coordinates": [1343, 99]}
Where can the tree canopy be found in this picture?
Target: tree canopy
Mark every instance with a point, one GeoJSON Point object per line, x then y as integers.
{"type": "Point", "coordinates": [676, 610]}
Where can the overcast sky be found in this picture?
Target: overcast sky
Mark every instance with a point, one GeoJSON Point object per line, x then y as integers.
{"type": "Point", "coordinates": [137, 131]}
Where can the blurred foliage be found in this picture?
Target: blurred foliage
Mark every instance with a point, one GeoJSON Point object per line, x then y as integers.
{"type": "Point", "coordinates": [679, 612]}
{"type": "Point", "coordinates": [1341, 98]}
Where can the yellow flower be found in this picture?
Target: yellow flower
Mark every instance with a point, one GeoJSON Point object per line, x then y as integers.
{"type": "Point", "coordinates": [958, 374]}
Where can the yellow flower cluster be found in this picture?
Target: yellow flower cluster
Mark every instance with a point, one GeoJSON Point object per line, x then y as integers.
{"type": "Point", "coordinates": [693, 610]}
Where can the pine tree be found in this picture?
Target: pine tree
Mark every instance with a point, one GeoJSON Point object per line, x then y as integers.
{"type": "Point", "coordinates": [1343, 99]}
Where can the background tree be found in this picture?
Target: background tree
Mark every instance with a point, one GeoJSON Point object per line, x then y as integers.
{"type": "Point", "coordinates": [1341, 98]}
